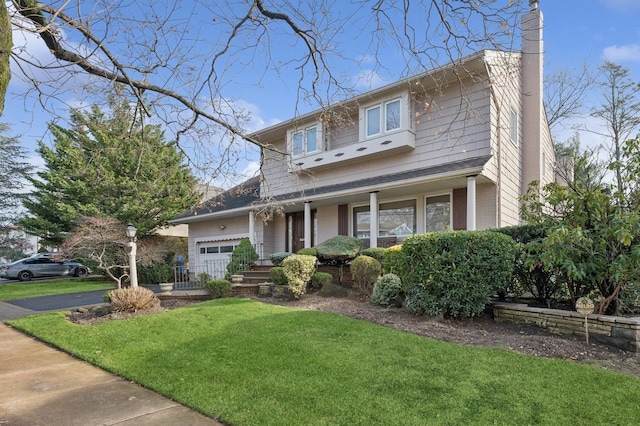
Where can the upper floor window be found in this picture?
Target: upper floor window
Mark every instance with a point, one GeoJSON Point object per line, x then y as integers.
{"type": "Point", "coordinates": [513, 129]}
{"type": "Point", "coordinates": [383, 118]}
{"type": "Point", "coordinates": [305, 141]}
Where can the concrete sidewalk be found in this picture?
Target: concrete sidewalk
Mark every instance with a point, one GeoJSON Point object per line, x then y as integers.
{"type": "Point", "coordinates": [43, 386]}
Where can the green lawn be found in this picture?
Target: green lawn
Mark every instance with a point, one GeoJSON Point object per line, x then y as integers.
{"type": "Point", "coordinates": [21, 290]}
{"type": "Point", "coordinates": [249, 363]}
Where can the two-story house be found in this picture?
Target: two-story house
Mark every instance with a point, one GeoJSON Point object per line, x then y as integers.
{"type": "Point", "coordinates": [452, 148]}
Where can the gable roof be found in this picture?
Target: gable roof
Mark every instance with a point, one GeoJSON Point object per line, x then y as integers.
{"type": "Point", "coordinates": [238, 197]}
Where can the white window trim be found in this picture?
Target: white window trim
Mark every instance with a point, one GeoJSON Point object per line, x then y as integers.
{"type": "Point", "coordinates": [352, 207]}
{"type": "Point", "coordinates": [382, 105]}
{"type": "Point", "coordinates": [424, 208]}
{"type": "Point", "coordinates": [514, 127]}
{"type": "Point", "coordinates": [303, 130]}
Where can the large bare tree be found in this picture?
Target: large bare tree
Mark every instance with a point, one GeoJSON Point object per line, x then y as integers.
{"type": "Point", "coordinates": [197, 62]}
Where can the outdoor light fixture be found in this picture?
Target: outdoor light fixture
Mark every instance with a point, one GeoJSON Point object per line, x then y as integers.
{"type": "Point", "coordinates": [221, 227]}
{"type": "Point", "coordinates": [131, 231]}
{"type": "Point", "coordinates": [131, 248]}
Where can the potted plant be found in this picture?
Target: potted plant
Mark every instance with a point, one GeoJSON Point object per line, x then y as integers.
{"type": "Point", "coordinates": [163, 275]}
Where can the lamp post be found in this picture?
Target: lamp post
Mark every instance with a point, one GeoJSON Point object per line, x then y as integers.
{"type": "Point", "coordinates": [132, 246]}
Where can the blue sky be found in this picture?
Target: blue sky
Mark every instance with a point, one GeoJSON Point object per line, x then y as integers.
{"type": "Point", "coordinates": [575, 31]}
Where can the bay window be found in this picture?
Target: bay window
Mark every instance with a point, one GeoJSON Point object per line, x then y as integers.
{"type": "Point", "coordinates": [305, 141]}
{"type": "Point", "coordinates": [385, 117]}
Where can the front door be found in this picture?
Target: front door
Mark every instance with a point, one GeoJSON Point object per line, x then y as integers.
{"type": "Point", "coordinates": [295, 230]}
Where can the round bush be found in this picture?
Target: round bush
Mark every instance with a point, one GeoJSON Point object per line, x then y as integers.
{"type": "Point", "coordinates": [277, 275]}
{"type": "Point", "coordinates": [365, 270]}
{"type": "Point", "coordinates": [391, 259]}
{"type": "Point", "coordinates": [310, 251]}
{"type": "Point", "coordinates": [375, 252]}
{"type": "Point", "coordinates": [320, 279]}
{"type": "Point", "coordinates": [387, 291]}
{"type": "Point", "coordinates": [219, 288]}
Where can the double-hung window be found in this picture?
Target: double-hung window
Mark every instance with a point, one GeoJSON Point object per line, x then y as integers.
{"type": "Point", "coordinates": [382, 118]}
{"type": "Point", "coordinates": [305, 141]}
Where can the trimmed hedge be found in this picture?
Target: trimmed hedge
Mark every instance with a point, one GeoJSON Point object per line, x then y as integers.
{"type": "Point", "coordinates": [391, 259]}
{"type": "Point", "coordinates": [375, 252]}
{"type": "Point", "coordinates": [277, 275]}
{"type": "Point", "coordinates": [219, 288]}
{"type": "Point", "coordinates": [320, 279]}
{"type": "Point", "coordinates": [298, 269]}
{"type": "Point", "coordinates": [455, 273]}
{"type": "Point", "coordinates": [309, 251]}
{"type": "Point", "coordinates": [365, 270]}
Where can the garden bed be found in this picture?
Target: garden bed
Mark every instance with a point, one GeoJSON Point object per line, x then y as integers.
{"type": "Point", "coordinates": [620, 332]}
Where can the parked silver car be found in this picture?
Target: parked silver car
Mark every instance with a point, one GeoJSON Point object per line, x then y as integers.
{"type": "Point", "coordinates": [41, 266]}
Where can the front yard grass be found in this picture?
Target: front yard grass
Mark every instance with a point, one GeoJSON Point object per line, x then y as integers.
{"type": "Point", "coordinates": [21, 290]}
{"type": "Point", "coordinates": [250, 363]}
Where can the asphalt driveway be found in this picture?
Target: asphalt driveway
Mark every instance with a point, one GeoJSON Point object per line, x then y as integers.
{"type": "Point", "coordinates": [12, 309]}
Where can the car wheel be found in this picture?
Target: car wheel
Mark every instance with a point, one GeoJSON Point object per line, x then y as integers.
{"type": "Point", "coordinates": [81, 271]}
{"type": "Point", "coordinates": [25, 276]}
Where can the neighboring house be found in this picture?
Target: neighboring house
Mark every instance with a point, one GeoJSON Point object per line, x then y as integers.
{"type": "Point", "coordinates": [25, 244]}
{"type": "Point", "coordinates": [182, 230]}
{"type": "Point", "coordinates": [453, 148]}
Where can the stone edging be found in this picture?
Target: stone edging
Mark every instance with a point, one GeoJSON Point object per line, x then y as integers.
{"type": "Point", "coordinates": [621, 332]}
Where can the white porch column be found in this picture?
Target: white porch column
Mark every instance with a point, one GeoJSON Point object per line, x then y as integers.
{"type": "Point", "coordinates": [307, 224]}
{"type": "Point", "coordinates": [373, 219]}
{"type": "Point", "coordinates": [252, 228]}
{"type": "Point", "coordinates": [471, 203]}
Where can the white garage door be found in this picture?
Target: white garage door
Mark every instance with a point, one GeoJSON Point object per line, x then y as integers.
{"type": "Point", "coordinates": [214, 256]}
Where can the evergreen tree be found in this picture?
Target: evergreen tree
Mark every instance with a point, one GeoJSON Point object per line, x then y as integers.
{"type": "Point", "coordinates": [13, 174]}
{"type": "Point", "coordinates": [108, 165]}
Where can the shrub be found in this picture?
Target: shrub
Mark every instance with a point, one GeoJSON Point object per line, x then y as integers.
{"type": "Point", "coordinates": [278, 257]}
{"type": "Point", "coordinates": [298, 269]}
{"type": "Point", "coordinates": [277, 275]}
{"type": "Point", "coordinates": [203, 278]}
{"type": "Point", "coordinates": [219, 288]}
{"type": "Point", "coordinates": [242, 258]}
{"type": "Point", "coordinates": [130, 299]}
{"type": "Point", "coordinates": [309, 251]}
{"type": "Point", "coordinates": [391, 259]}
{"type": "Point", "coordinates": [455, 273]}
{"type": "Point", "coordinates": [387, 291]}
{"type": "Point", "coordinates": [320, 279]}
{"type": "Point", "coordinates": [530, 273]}
{"type": "Point", "coordinates": [338, 249]}
{"type": "Point", "coordinates": [155, 274]}
{"type": "Point", "coordinates": [376, 252]}
{"type": "Point", "coordinates": [365, 270]}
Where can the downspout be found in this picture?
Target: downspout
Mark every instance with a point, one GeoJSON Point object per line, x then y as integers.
{"type": "Point", "coordinates": [498, 149]}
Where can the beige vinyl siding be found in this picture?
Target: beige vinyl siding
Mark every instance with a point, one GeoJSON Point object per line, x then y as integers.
{"type": "Point", "coordinates": [452, 130]}
{"type": "Point", "coordinates": [486, 206]}
{"type": "Point", "coordinates": [507, 161]}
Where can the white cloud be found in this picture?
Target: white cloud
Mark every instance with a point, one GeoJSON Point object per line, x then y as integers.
{"type": "Point", "coordinates": [368, 80]}
{"type": "Point", "coordinates": [625, 53]}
